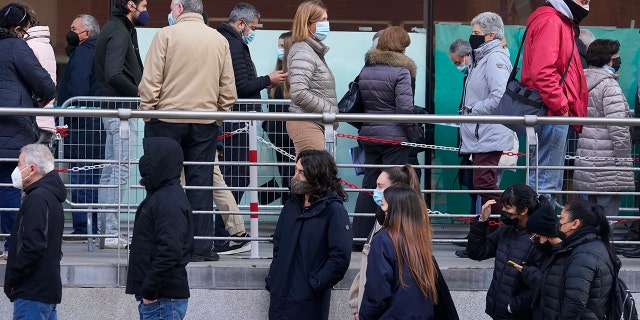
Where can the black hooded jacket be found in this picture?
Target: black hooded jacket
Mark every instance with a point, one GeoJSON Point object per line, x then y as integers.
{"type": "Point", "coordinates": [162, 240]}
{"type": "Point", "coordinates": [311, 253]}
{"type": "Point", "coordinates": [35, 245]}
{"type": "Point", "coordinates": [117, 60]}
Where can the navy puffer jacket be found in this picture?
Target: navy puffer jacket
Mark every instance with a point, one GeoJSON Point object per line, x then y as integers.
{"type": "Point", "coordinates": [578, 274]}
{"type": "Point", "coordinates": [386, 87]}
{"type": "Point", "coordinates": [507, 286]}
{"type": "Point", "coordinates": [22, 79]}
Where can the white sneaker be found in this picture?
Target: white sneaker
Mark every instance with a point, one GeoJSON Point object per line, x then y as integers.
{"type": "Point", "coordinates": [115, 243]}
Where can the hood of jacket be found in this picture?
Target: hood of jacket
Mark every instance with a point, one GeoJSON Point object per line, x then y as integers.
{"type": "Point", "coordinates": [52, 182]}
{"type": "Point", "coordinates": [316, 207]}
{"type": "Point", "coordinates": [39, 33]}
{"type": "Point", "coordinates": [396, 59]}
{"type": "Point", "coordinates": [596, 75]}
{"type": "Point", "coordinates": [161, 163]}
{"type": "Point", "coordinates": [320, 48]}
{"type": "Point", "coordinates": [561, 7]}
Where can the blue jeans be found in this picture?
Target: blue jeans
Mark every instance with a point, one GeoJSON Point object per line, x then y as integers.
{"type": "Point", "coordinates": [24, 309]}
{"type": "Point", "coordinates": [9, 198]}
{"type": "Point", "coordinates": [552, 147]}
{"type": "Point", "coordinates": [84, 195]}
{"type": "Point", "coordinates": [116, 148]}
{"type": "Point", "coordinates": [163, 309]}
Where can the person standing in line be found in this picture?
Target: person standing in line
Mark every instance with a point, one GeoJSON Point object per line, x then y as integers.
{"type": "Point", "coordinates": [401, 273]}
{"type": "Point", "coordinates": [24, 83]}
{"type": "Point", "coordinates": [277, 130]}
{"type": "Point", "coordinates": [240, 31]}
{"type": "Point", "coordinates": [177, 58]}
{"type": "Point", "coordinates": [118, 67]}
{"type": "Point", "coordinates": [612, 142]}
{"type": "Point", "coordinates": [312, 241]}
{"type": "Point", "coordinates": [549, 53]}
{"type": "Point", "coordinates": [86, 136]}
{"type": "Point", "coordinates": [387, 83]}
{"type": "Point", "coordinates": [38, 39]}
{"type": "Point", "coordinates": [32, 277]}
{"type": "Point", "coordinates": [485, 85]}
{"type": "Point", "coordinates": [162, 241]}
{"type": "Point", "coordinates": [313, 87]}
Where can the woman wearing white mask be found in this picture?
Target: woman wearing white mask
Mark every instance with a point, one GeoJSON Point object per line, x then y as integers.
{"type": "Point", "coordinates": [313, 87]}
{"type": "Point", "coordinates": [388, 177]}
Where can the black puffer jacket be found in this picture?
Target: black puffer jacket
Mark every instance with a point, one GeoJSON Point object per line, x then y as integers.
{"type": "Point", "coordinates": [248, 84]}
{"type": "Point", "coordinates": [311, 253]}
{"type": "Point", "coordinates": [507, 286]}
{"type": "Point", "coordinates": [22, 78]}
{"type": "Point", "coordinates": [386, 83]}
{"type": "Point", "coordinates": [117, 61]}
{"type": "Point", "coordinates": [35, 245]}
{"type": "Point", "coordinates": [578, 274]}
{"type": "Point", "coordinates": [163, 231]}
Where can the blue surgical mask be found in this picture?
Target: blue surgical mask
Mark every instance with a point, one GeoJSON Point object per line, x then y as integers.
{"type": "Point", "coordinates": [280, 53]}
{"type": "Point", "coordinates": [463, 68]}
{"type": "Point", "coordinates": [171, 19]}
{"type": "Point", "coordinates": [610, 68]}
{"type": "Point", "coordinates": [377, 197]}
{"type": "Point", "coordinates": [322, 30]}
{"type": "Point", "coordinates": [249, 37]}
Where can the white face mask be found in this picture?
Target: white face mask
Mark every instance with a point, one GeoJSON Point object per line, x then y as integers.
{"type": "Point", "coordinates": [16, 178]}
{"type": "Point", "coordinates": [586, 7]}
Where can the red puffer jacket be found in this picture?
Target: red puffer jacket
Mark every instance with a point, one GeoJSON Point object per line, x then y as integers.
{"type": "Point", "coordinates": [547, 49]}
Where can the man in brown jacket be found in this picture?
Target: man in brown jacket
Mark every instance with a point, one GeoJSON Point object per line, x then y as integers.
{"type": "Point", "coordinates": [188, 67]}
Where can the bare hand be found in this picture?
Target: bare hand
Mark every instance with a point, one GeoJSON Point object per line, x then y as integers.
{"type": "Point", "coordinates": [277, 77]}
{"type": "Point", "coordinates": [145, 301]}
{"type": "Point", "coordinates": [485, 212]}
{"type": "Point", "coordinates": [515, 265]}
{"type": "Point", "coordinates": [355, 316]}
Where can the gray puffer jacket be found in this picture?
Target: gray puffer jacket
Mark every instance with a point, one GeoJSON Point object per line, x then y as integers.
{"type": "Point", "coordinates": [313, 87]}
{"type": "Point", "coordinates": [483, 90]}
{"type": "Point", "coordinates": [385, 87]}
{"type": "Point", "coordinates": [605, 100]}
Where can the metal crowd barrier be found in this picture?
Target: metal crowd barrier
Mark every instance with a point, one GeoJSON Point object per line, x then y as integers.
{"type": "Point", "coordinates": [244, 125]}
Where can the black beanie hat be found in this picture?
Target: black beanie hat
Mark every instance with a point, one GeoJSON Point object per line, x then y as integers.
{"type": "Point", "coordinates": [543, 221]}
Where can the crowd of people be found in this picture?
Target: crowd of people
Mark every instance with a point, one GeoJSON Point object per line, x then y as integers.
{"type": "Point", "coordinates": [534, 249]}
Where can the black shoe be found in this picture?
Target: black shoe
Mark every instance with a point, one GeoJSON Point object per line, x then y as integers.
{"type": "Point", "coordinates": [211, 256]}
{"type": "Point", "coordinates": [632, 253]}
{"type": "Point", "coordinates": [620, 248]}
{"type": "Point", "coordinates": [462, 253]}
{"type": "Point", "coordinates": [234, 246]}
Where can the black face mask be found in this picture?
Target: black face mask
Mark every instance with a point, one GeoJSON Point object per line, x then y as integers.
{"type": "Point", "coordinates": [476, 40]}
{"type": "Point", "coordinates": [545, 247]}
{"type": "Point", "coordinates": [577, 11]}
{"type": "Point", "coordinates": [616, 63]}
{"type": "Point", "coordinates": [380, 216]}
{"type": "Point", "coordinates": [73, 39]}
{"type": "Point", "coordinates": [505, 217]}
{"type": "Point", "coordinates": [559, 233]}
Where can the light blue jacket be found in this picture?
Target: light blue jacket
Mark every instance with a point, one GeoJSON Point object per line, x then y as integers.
{"type": "Point", "coordinates": [485, 85]}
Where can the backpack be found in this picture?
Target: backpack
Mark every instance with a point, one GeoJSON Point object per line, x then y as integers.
{"type": "Point", "coordinates": [621, 303]}
{"type": "Point", "coordinates": [622, 306]}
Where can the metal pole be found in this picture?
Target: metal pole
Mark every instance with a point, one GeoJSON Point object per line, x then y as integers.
{"type": "Point", "coordinates": [253, 183]}
{"type": "Point", "coordinates": [429, 90]}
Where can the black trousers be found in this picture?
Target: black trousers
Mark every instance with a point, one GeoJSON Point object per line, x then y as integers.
{"type": "Point", "coordinates": [198, 142]}
{"type": "Point", "coordinates": [375, 154]}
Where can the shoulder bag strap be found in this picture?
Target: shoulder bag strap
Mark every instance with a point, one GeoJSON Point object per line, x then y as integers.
{"type": "Point", "coordinates": [573, 47]}
{"type": "Point", "coordinates": [515, 69]}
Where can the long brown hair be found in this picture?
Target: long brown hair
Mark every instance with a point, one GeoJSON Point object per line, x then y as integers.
{"type": "Point", "coordinates": [308, 13]}
{"type": "Point", "coordinates": [287, 37]}
{"type": "Point", "coordinates": [410, 231]}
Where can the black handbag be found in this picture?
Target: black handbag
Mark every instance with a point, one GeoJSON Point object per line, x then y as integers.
{"type": "Point", "coordinates": [446, 308]}
{"type": "Point", "coordinates": [351, 102]}
{"type": "Point", "coordinates": [518, 100]}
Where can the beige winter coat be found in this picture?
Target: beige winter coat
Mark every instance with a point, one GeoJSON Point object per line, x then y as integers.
{"type": "Point", "coordinates": [605, 100]}
{"type": "Point", "coordinates": [313, 87]}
